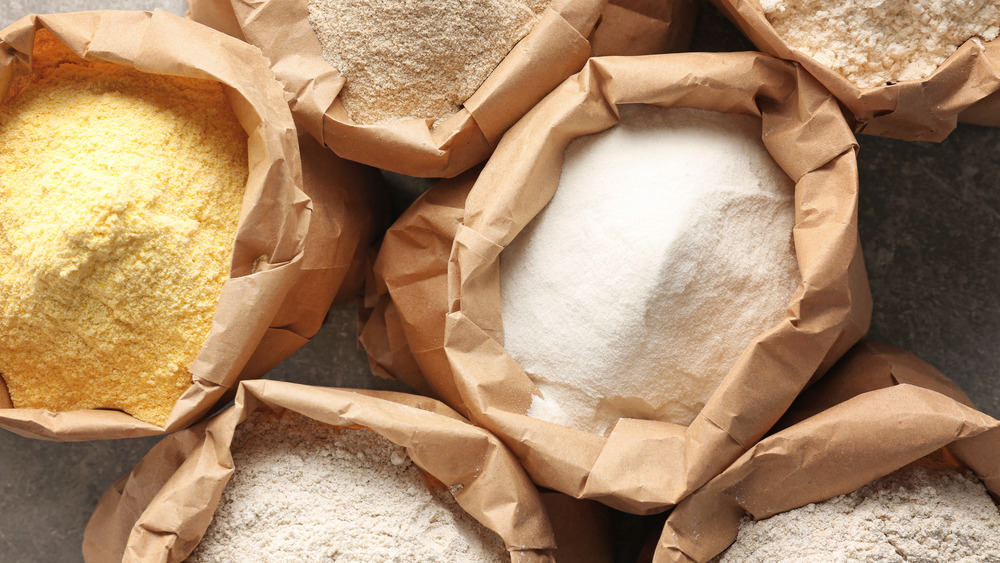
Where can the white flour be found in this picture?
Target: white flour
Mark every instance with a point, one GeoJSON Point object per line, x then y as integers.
{"type": "Point", "coordinates": [305, 491]}
{"type": "Point", "coordinates": [666, 249]}
{"type": "Point", "coordinates": [916, 515]}
{"type": "Point", "coordinates": [871, 42]}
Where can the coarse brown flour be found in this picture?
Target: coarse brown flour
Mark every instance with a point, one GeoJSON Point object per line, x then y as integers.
{"type": "Point", "coordinates": [666, 249]}
{"type": "Point", "coordinates": [871, 42]}
{"type": "Point", "coordinates": [416, 58]}
{"type": "Point", "coordinates": [306, 491]}
{"type": "Point", "coordinates": [918, 514]}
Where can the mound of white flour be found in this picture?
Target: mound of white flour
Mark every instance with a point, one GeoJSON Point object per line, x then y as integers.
{"type": "Point", "coordinates": [871, 42]}
{"type": "Point", "coordinates": [917, 514]}
{"type": "Point", "coordinates": [666, 249]}
{"type": "Point", "coordinates": [306, 491]}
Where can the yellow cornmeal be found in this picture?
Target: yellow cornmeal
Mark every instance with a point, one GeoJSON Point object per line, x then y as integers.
{"type": "Point", "coordinates": [119, 199]}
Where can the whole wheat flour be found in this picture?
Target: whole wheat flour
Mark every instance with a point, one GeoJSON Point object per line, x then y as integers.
{"type": "Point", "coordinates": [120, 194]}
{"type": "Point", "coordinates": [666, 249]}
{"type": "Point", "coordinates": [416, 58]}
{"type": "Point", "coordinates": [306, 491]}
{"type": "Point", "coordinates": [874, 42]}
{"type": "Point", "coordinates": [919, 514]}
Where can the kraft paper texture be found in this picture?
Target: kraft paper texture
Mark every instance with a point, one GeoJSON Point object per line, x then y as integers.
{"type": "Point", "coordinates": [644, 27]}
{"type": "Point", "coordinates": [314, 234]}
{"type": "Point", "coordinates": [407, 298]}
{"type": "Point", "coordinates": [878, 410]}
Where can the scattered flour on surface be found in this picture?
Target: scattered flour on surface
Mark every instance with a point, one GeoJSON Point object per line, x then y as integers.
{"type": "Point", "coordinates": [306, 491]}
{"type": "Point", "coordinates": [666, 249]}
{"type": "Point", "coordinates": [418, 58]}
{"type": "Point", "coordinates": [918, 514]}
{"type": "Point", "coordinates": [871, 42]}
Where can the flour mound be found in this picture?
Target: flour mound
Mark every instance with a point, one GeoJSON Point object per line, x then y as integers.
{"type": "Point", "coordinates": [418, 58]}
{"type": "Point", "coordinates": [919, 514]}
{"type": "Point", "coordinates": [871, 42]}
{"type": "Point", "coordinates": [666, 249]}
{"type": "Point", "coordinates": [305, 491]}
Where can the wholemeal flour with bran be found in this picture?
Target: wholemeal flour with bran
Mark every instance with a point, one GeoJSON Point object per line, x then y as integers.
{"type": "Point", "coordinates": [306, 491]}
{"type": "Point", "coordinates": [872, 42]}
{"type": "Point", "coordinates": [917, 514]}
{"type": "Point", "coordinates": [665, 250]}
{"type": "Point", "coordinates": [419, 58]}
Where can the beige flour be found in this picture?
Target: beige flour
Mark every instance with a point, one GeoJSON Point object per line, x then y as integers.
{"type": "Point", "coordinates": [666, 249]}
{"type": "Point", "coordinates": [417, 58]}
{"type": "Point", "coordinates": [919, 514]}
{"type": "Point", "coordinates": [872, 42]}
{"type": "Point", "coordinates": [306, 491]}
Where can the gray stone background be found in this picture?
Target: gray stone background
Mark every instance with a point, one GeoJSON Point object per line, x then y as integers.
{"type": "Point", "coordinates": [930, 226]}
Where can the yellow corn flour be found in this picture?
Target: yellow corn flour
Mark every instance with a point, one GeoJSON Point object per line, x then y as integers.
{"type": "Point", "coordinates": [120, 194]}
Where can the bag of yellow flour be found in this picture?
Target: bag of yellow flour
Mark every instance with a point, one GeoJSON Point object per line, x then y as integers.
{"type": "Point", "coordinates": [154, 224]}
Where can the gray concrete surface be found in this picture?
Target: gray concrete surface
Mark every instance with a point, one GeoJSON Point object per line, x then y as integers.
{"type": "Point", "coordinates": [930, 226]}
{"type": "Point", "coordinates": [12, 10]}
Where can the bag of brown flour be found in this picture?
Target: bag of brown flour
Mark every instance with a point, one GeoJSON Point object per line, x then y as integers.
{"type": "Point", "coordinates": [901, 69]}
{"type": "Point", "coordinates": [626, 467]}
{"type": "Point", "coordinates": [872, 430]}
{"type": "Point", "coordinates": [94, 245]}
{"type": "Point", "coordinates": [293, 444]}
{"type": "Point", "coordinates": [421, 88]}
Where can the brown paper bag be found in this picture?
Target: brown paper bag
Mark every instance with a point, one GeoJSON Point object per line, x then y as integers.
{"type": "Point", "coordinates": [643, 465]}
{"type": "Point", "coordinates": [349, 211]}
{"type": "Point", "coordinates": [644, 27]}
{"type": "Point", "coordinates": [406, 299]}
{"type": "Point", "coordinates": [264, 314]}
{"type": "Point", "coordinates": [878, 410]}
{"type": "Point", "coordinates": [912, 110]}
{"type": "Point", "coordinates": [554, 49]}
{"type": "Point", "coordinates": [582, 529]}
{"type": "Point", "coordinates": [161, 510]}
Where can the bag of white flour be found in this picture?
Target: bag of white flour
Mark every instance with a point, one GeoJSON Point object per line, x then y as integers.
{"type": "Point", "coordinates": [297, 471]}
{"type": "Point", "coordinates": [630, 310]}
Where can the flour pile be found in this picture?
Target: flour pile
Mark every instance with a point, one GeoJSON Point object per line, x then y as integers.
{"type": "Point", "coordinates": [871, 42]}
{"type": "Point", "coordinates": [418, 58]}
{"type": "Point", "coordinates": [917, 514]}
{"type": "Point", "coordinates": [305, 491]}
{"type": "Point", "coordinates": [666, 250]}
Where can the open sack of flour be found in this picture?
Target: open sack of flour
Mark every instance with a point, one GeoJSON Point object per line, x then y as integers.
{"type": "Point", "coordinates": [902, 69]}
{"type": "Point", "coordinates": [884, 459]}
{"type": "Point", "coordinates": [423, 88]}
{"type": "Point", "coordinates": [293, 471]}
{"type": "Point", "coordinates": [658, 258]}
{"type": "Point", "coordinates": [644, 27]}
{"type": "Point", "coordinates": [156, 237]}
